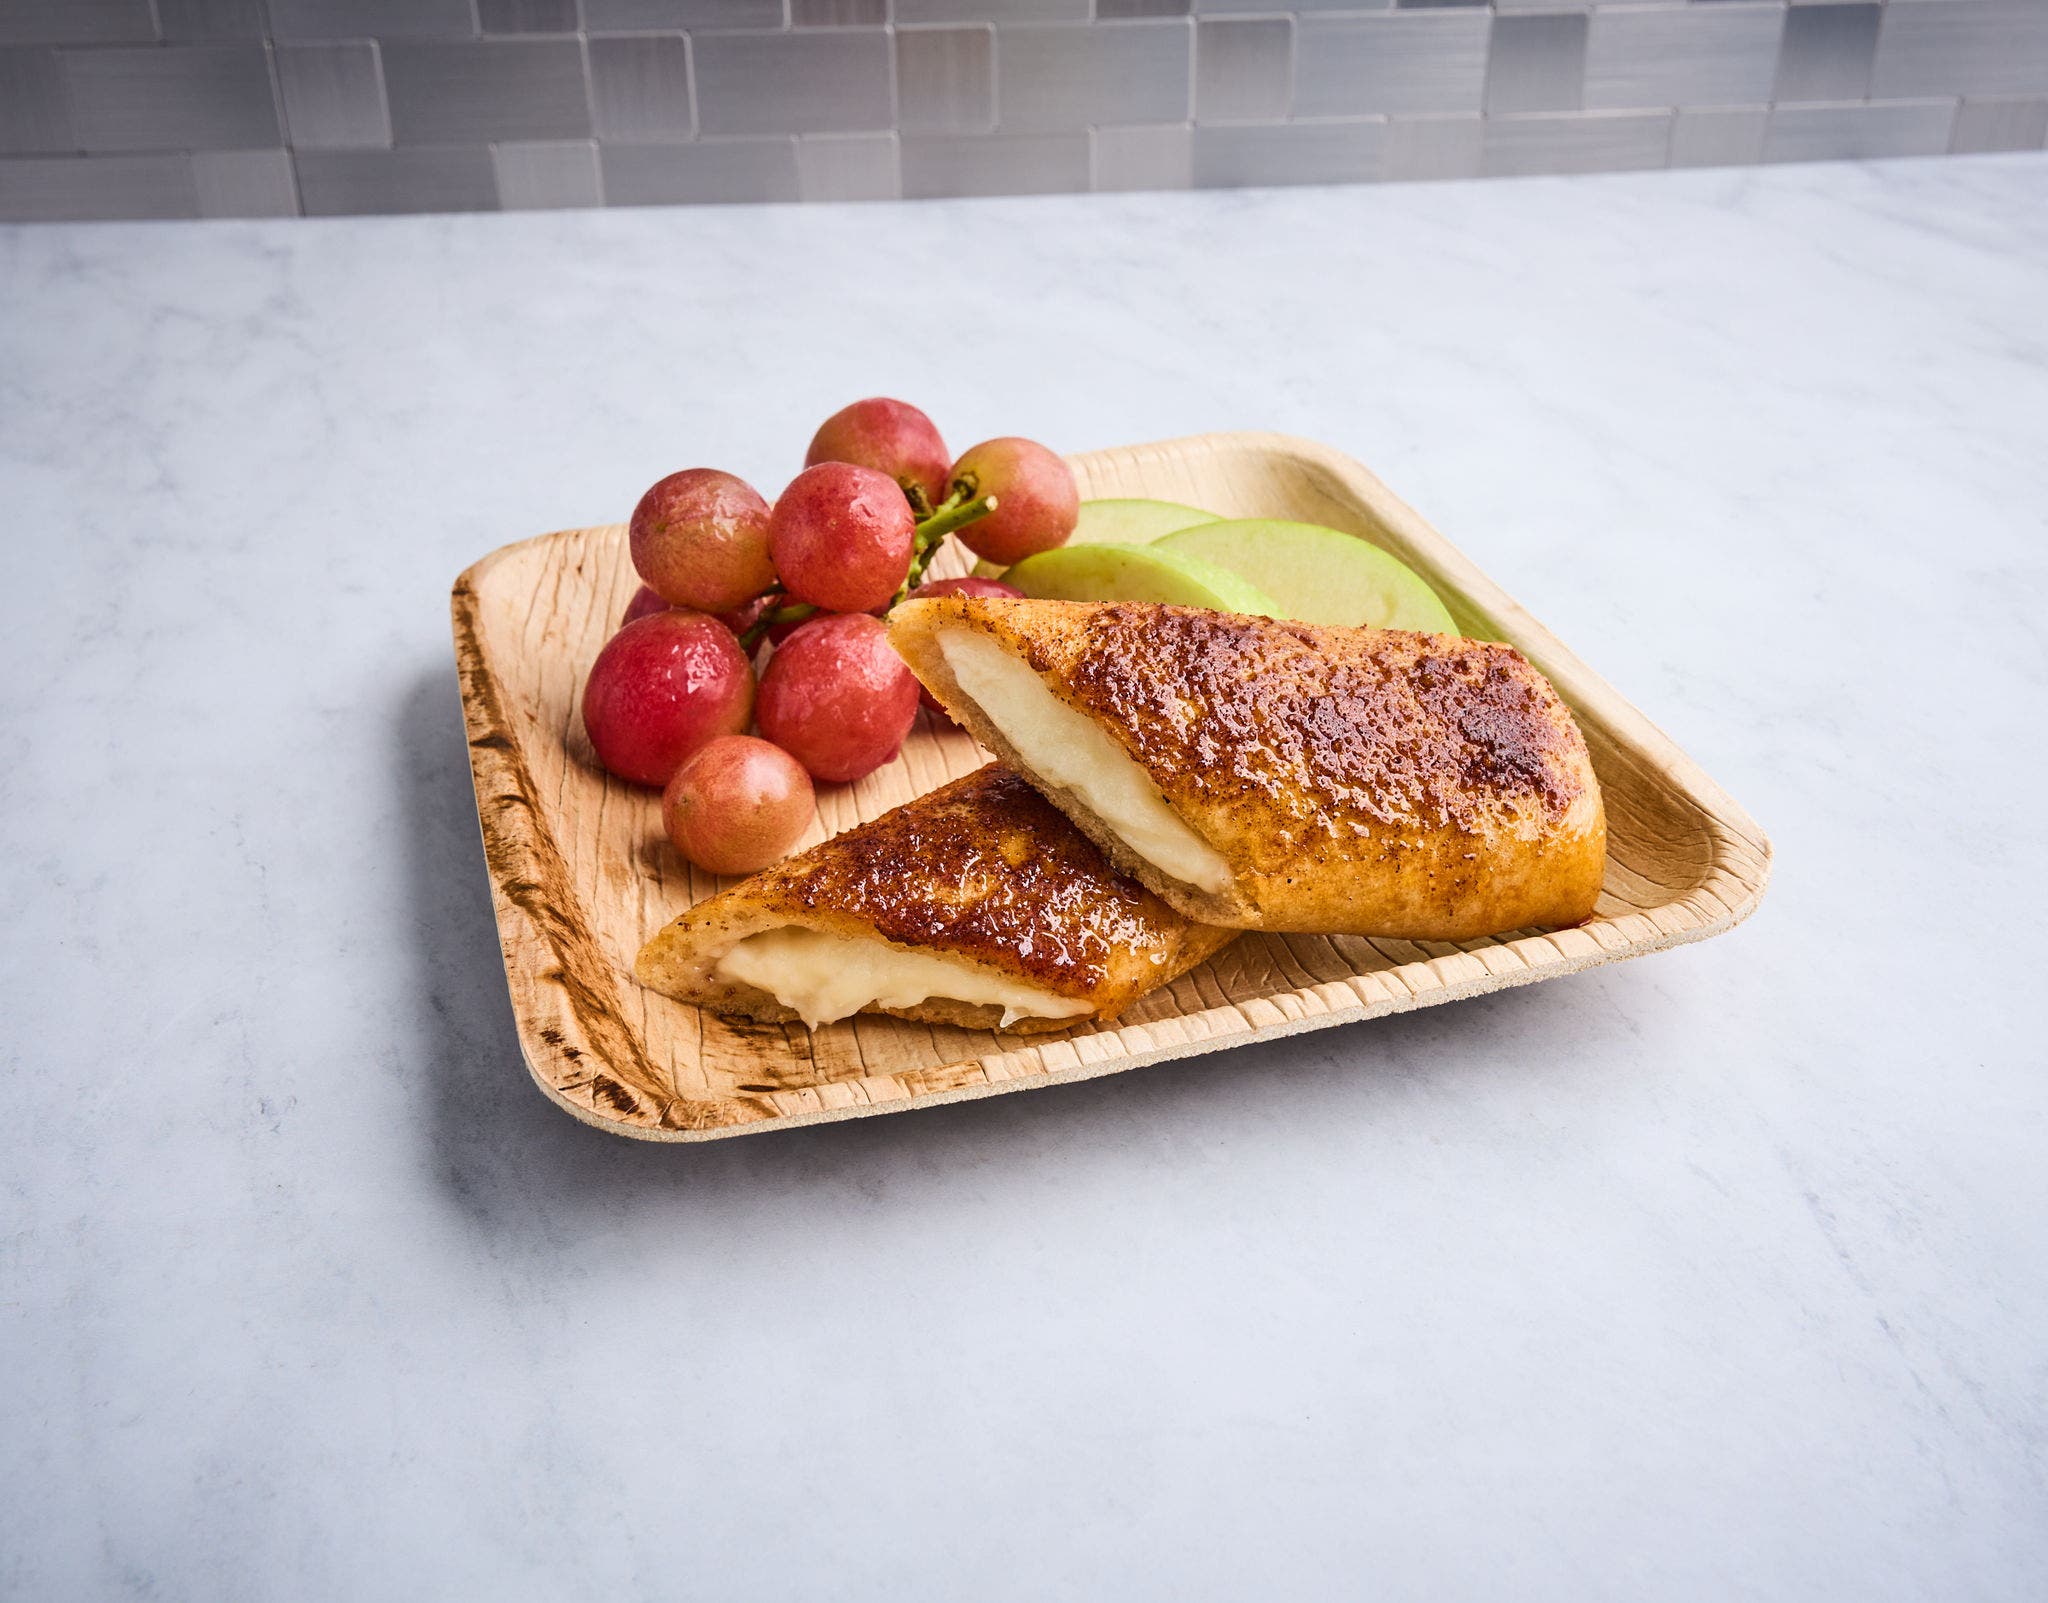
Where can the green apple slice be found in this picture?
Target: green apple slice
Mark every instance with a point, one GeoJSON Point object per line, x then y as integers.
{"type": "Point", "coordinates": [1132, 522]}
{"type": "Point", "coordinates": [1137, 573]}
{"type": "Point", "coordinates": [1120, 522]}
{"type": "Point", "coordinates": [1317, 575]}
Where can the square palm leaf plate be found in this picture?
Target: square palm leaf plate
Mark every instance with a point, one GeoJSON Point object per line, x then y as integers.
{"type": "Point", "coordinates": [581, 873]}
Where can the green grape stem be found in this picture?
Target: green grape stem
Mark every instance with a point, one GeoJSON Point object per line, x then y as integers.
{"type": "Point", "coordinates": [953, 513]}
{"type": "Point", "coordinates": [774, 616]}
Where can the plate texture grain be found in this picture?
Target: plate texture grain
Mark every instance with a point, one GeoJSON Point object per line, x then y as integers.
{"type": "Point", "coordinates": [581, 873]}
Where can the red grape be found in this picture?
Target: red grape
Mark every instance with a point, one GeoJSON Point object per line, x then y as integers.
{"type": "Point", "coordinates": [958, 587]}
{"type": "Point", "coordinates": [662, 687]}
{"type": "Point", "coordinates": [700, 539]}
{"type": "Point", "coordinates": [644, 601]}
{"type": "Point", "coordinates": [837, 698]}
{"type": "Point", "coordinates": [891, 437]}
{"type": "Point", "coordinates": [841, 537]}
{"type": "Point", "coordinates": [737, 805]}
{"type": "Point", "coordinates": [1037, 501]}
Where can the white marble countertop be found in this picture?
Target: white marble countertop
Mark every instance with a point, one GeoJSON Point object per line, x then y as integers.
{"type": "Point", "coordinates": [1720, 1274]}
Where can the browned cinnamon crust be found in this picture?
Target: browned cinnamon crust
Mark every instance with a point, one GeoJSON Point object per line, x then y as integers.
{"type": "Point", "coordinates": [1356, 781]}
{"type": "Point", "coordinates": [981, 869]}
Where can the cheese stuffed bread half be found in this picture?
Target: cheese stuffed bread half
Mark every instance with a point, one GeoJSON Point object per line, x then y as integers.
{"type": "Point", "coordinates": [1281, 776]}
{"type": "Point", "coordinates": [976, 905]}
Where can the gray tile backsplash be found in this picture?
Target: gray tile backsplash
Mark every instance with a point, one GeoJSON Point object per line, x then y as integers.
{"type": "Point", "coordinates": [445, 92]}
{"type": "Point", "coordinates": [188, 108]}
{"type": "Point", "coordinates": [35, 112]}
{"type": "Point", "coordinates": [1984, 125]}
{"type": "Point", "coordinates": [69, 189]}
{"type": "Point", "coordinates": [1718, 136]}
{"type": "Point", "coordinates": [245, 183]}
{"type": "Point", "coordinates": [1827, 52]}
{"type": "Point", "coordinates": [371, 19]}
{"type": "Point", "coordinates": [1244, 69]}
{"type": "Point", "coordinates": [1806, 133]}
{"type": "Point", "coordinates": [1962, 47]}
{"type": "Point", "coordinates": [1403, 61]}
{"type": "Point", "coordinates": [436, 178]}
{"type": "Point", "coordinates": [1607, 141]}
{"type": "Point", "coordinates": [192, 21]}
{"type": "Point", "coordinates": [1703, 55]}
{"type": "Point", "coordinates": [1083, 76]}
{"type": "Point", "coordinates": [526, 16]}
{"type": "Point", "coordinates": [812, 82]}
{"type": "Point", "coordinates": [848, 167]}
{"type": "Point", "coordinates": [1434, 147]}
{"type": "Point", "coordinates": [77, 22]}
{"type": "Point", "coordinates": [640, 88]}
{"type": "Point", "coordinates": [945, 79]}
{"type": "Point", "coordinates": [1297, 153]}
{"type": "Point", "coordinates": [204, 97]}
{"type": "Point", "coordinates": [1537, 63]}
{"type": "Point", "coordinates": [710, 170]}
{"type": "Point", "coordinates": [547, 175]}
{"type": "Point", "coordinates": [333, 95]}
{"type": "Point", "coordinates": [1156, 157]}
{"type": "Point", "coordinates": [936, 165]}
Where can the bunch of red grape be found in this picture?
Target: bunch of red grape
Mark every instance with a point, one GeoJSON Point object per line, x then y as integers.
{"type": "Point", "coordinates": [808, 580]}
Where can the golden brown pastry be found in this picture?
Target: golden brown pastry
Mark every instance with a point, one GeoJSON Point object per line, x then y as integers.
{"type": "Point", "coordinates": [1281, 776]}
{"type": "Point", "coordinates": [976, 905]}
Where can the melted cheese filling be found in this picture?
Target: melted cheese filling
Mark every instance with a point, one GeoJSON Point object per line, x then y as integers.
{"type": "Point", "coordinates": [822, 978]}
{"type": "Point", "coordinates": [1070, 750]}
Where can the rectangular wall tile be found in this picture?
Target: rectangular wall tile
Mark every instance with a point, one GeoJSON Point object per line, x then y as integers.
{"type": "Point", "coordinates": [715, 170]}
{"type": "Point", "coordinates": [1719, 136]}
{"type": "Point", "coordinates": [1827, 52]}
{"type": "Point", "coordinates": [485, 89]}
{"type": "Point", "coordinates": [1983, 125]}
{"type": "Point", "coordinates": [80, 22]}
{"type": "Point", "coordinates": [1435, 147]}
{"type": "Point", "coordinates": [1833, 133]}
{"type": "Point", "coordinates": [1596, 142]}
{"type": "Point", "coordinates": [35, 113]}
{"type": "Point", "coordinates": [1962, 47]}
{"type": "Point", "coordinates": [994, 164]}
{"type": "Point", "coordinates": [441, 178]}
{"type": "Point", "coordinates": [1537, 63]}
{"type": "Point", "coordinates": [547, 175]}
{"type": "Point", "coordinates": [192, 97]}
{"type": "Point", "coordinates": [245, 183]}
{"type": "Point", "coordinates": [1290, 153]}
{"type": "Point", "coordinates": [1244, 69]}
{"type": "Point", "coordinates": [915, 11]}
{"type": "Point", "coordinates": [848, 167]}
{"type": "Point", "coordinates": [371, 19]}
{"type": "Point", "coordinates": [838, 14]}
{"type": "Point", "coordinates": [1245, 8]}
{"type": "Point", "coordinates": [1703, 55]}
{"type": "Point", "coordinates": [637, 16]}
{"type": "Point", "coordinates": [333, 95]}
{"type": "Point", "coordinates": [1129, 10]}
{"type": "Point", "coordinates": [199, 21]}
{"type": "Point", "coordinates": [1407, 61]}
{"type": "Point", "coordinates": [1143, 158]}
{"type": "Point", "coordinates": [1120, 72]}
{"type": "Point", "coordinates": [62, 189]}
{"type": "Point", "coordinates": [945, 79]}
{"type": "Point", "coordinates": [528, 16]}
{"type": "Point", "coordinates": [793, 83]}
{"type": "Point", "coordinates": [640, 88]}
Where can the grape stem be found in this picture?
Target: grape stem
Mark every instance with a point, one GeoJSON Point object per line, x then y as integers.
{"type": "Point", "coordinates": [953, 513]}
{"type": "Point", "coordinates": [770, 619]}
